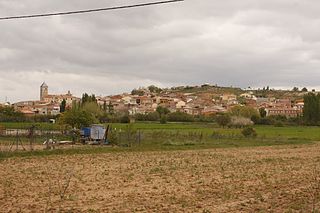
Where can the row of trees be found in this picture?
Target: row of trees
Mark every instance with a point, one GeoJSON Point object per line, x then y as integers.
{"type": "Point", "coordinates": [311, 111]}
{"type": "Point", "coordinates": [9, 114]}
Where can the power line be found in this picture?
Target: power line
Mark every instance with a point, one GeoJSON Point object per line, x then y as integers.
{"type": "Point", "coordinates": [88, 11]}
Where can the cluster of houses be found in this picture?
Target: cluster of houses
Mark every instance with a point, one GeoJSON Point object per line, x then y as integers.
{"type": "Point", "coordinates": [47, 105]}
{"type": "Point", "coordinates": [202, 103]}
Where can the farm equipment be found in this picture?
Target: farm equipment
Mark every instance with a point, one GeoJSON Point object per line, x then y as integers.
{"type": "Point", "coordinates": [94, 135]}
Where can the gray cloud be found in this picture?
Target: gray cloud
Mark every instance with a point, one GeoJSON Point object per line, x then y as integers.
{"type": "Point", "coordinates": [240, 43]}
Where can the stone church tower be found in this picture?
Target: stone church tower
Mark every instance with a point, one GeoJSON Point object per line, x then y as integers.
{"type": "Point", "coordinates": [43, 91]}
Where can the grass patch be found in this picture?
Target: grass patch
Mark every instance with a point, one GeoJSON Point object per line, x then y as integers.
{"type": "Point", "coordinates": [177, 136]}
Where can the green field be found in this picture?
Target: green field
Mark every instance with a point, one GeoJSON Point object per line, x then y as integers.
{"type": "Point", "coordinates": [289, 132]}
{"type": "Point", "coordinates": [26, 125]}
{"type": "Point", "coordinates": [173, 136]}
{"type": "Point", "coordinates": [293, 132]}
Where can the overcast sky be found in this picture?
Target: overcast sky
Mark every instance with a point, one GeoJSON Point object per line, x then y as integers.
{"type": "Point", "coordinates": [240, 43]}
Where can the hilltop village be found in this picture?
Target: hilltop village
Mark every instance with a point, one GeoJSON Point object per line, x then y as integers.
{"type": "Point", "coordinates": [205, 100]}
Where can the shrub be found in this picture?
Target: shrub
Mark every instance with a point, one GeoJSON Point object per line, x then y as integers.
{"type": "Point", "coordinates": [223, 120]}
{"type": "Point", "coordinates": [125, 119]}
{"type": "Point", "coordinates": [255, 119]}
{"type": "Point", "coordinates": [153, 116]}
{"type": "Point", "coordinates": [180, 117]}
{"type": "Point", "coordinates": [266, 121]}
{"type": "Point", "coordinates": [113, 138]}
{"type": "Point", "coordinates": [279, 124]}
{"type": "Point", "coordinates": [163, 119]}
{"type": "Point", "coordinates": [140, 117]}
{"type": "Point", "coordinates": [238, 121]}
{"type": "Point", "coordinates": [243, 111]}
{"type": "Point", "coordinates": [249, 132]}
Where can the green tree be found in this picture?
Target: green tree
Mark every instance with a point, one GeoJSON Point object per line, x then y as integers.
{"type": "Point", "coordinates": [163, 119]}
{"type": "Point", "coordinates": [154, 89]}
{"type": "Point", "coordinates": [180, 117]}
{"type": "Point", "coordinates": [76, 118]}
{"type": "Point", "coordinates": [311, 110]}
{"type": "Point", "coordinates": [295, 89]}
{"type": "Point", "coordinates": [88, 98]}
{"type": "Point", "coordinates": [137, 92]}
{"type": "Point", "coordinates": [63, 105]}
{"type": "Point", "coordinates": [223, 120]}
{"type": "Point", "coordinates": [92, 108]}
{"type": "Point", "coordinates": [153, 116]}
{"type": "Point", "coordinates": [104, 106]}
{"type": "Point", "coordinates": [243, 111]}
{"type": "Point", "coordinates": [162, 110]}
{"type": "Point", "coordinates": [262, 112]}
{"type": "Point", "coordinates": [110, 108]}
{"type": "Point", "coordinates": [9, 114]}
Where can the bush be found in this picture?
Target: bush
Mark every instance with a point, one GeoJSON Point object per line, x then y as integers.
{"type": "Point", "coordinates": [140, 117]}
{"type": "Point", "coordinates": [265, 121]}
{"type": "Point", "coordinates": [278, 124]}
{"type": "Point", "coordinates": [153, 116]}
{"type": "Point", "coordinates": [223, 120]}
{"type": "Point", "coordinates": [125, 119]}
{"type": "Point", "coordinates": [163, 119]}
{"type": "Point", "coordinates": [255, 119]}
{"type": "Point", "coordinates": [249, 132]}
{"type": "Point", "coordinates": [243, 111]}
{"type": "Point", "coordinates": [238, 121]}
{"type": "Point", "coordinates": [113, 138]}
{"type": "Point", "coordinates": [180, 117]}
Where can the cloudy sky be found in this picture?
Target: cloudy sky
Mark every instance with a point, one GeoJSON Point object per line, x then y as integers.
{"type": "Point", "coordinates": [240, 43]}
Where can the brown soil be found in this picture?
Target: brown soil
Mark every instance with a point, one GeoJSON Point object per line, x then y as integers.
{"type": "Point", "coordinates": [265, 179]}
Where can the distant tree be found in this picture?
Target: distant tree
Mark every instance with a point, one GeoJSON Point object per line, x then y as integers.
{"type": "Point", "coordinates": [110, 108]}
{"type": "Point", "coordinates": [255, 119]}
{"type": "Point", "coordinates": [311, 110]}
{"type": "Point", "coordinates": [9, 114]}
{"type": "Point", "coordinates": [63, 105]}
{"type": "Point", "coordinates": [93, 108]}
{"type": "Point", "coordinates": [125, 119]}
{"type": "Point", "coordinates": [243, 111]}
{"type": "Point", "coordinates": [137, 92]}
{"type": "Point", "coordinates": [223, 120]}
{"type": "Point", "coordinates": [304, 89]}
{"type": "Point", "coordinates": [295, 89]}
{"type": "Point", "coordinates": [76, 118]}
{"type": "Point", "coordinates": [154, 89]}
{"type": "Point", "coordinates": [85, 98]}
{"type": "Point", "coordinates": [180, 117]}
{"type": "Point", "coordinates": [262, 112]}
{"type": "Point", "coordinates": [153, 116]}
{"type": "Point", "coordinates": [88, 98]}
{"type": "Point", "coordinates": [163, 119]}
{"type": "Point", "coordinates": [104, 106]}
{"type": "Point", "coordinates": [162, 110]}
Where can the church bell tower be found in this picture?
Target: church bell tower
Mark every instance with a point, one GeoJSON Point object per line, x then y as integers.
{"type": "Point", "coordinates": [43, 91]}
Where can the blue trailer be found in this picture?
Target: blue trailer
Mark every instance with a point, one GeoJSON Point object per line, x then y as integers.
{"type": "Point", "coordinates": [95, 134]}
